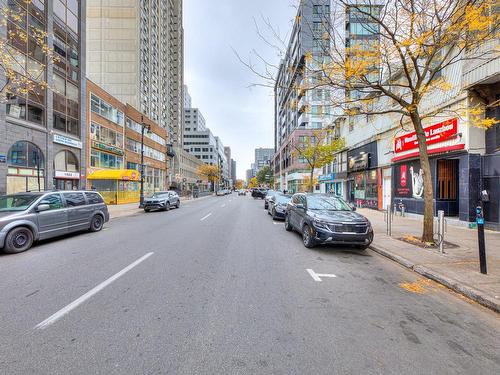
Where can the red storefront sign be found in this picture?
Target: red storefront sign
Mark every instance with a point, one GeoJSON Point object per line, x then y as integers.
{"type": "Point", "coordinates": [434, 134]}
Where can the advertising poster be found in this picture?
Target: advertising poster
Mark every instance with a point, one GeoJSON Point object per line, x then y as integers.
{"type": "Point", "coordinates": [409, 180]}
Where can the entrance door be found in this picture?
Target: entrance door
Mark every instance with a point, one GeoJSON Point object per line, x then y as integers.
{"type": "Point", "coordinates": [350, 191]}
{"type": "Point", "coordinates": [386, 190]}
{"type": "Point", "coordinates": [61, 184]}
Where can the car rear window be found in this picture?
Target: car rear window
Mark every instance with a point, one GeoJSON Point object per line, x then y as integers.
{"type": "Point", "coordinates": [74, 199]}
{"type": "Point", "coordinates": [94, 198]}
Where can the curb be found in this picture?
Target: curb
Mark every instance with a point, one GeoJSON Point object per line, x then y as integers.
{"type": "Point", "coordinates": [452, 284]}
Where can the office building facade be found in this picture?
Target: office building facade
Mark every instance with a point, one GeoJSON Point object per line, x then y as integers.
{"type": "Point", "coordinates": [299, 110]}
{"type": "Point", "coordinates": [233, 170]}
{"type": "Point", "coordinates": [43, 131]}
{"type": "Point", "coordinates": [135, 53]}
{"type": "Point", "coordinates": [263, 157]}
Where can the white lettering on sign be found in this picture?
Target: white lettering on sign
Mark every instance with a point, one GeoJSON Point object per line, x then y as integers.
{"type": "Point", "coordinates": [67, 141]}
{"type": "Point", "coordinates": [64, 174]}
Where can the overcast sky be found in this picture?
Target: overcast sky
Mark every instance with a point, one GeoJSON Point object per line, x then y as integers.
{"type": "Point", "coordinates": [218, 83]}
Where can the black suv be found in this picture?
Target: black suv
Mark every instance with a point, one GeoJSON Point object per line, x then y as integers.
{"type": "Point", "coordinates": [259, 193]}
{"type": "Point", "coordinates": [323, 218]}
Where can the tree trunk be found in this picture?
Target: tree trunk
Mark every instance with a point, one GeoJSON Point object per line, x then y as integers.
{"type": "Point", "coordinates": [311, 187]}
{"type": "Point", "coordinates": [428, 225]}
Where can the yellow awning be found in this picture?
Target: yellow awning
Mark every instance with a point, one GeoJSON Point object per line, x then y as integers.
{"type": "Point", "coordinates": [115, 174]}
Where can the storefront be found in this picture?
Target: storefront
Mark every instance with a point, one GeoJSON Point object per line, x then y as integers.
{"type": "Point", "coordinates": [363, 176]}
{"type": "Point", "coordinates": [117, 186]}
{"type": "Point", "coordinates": [455, 173]}
{"type": "Point", "coordinates": [333, 183]}
{"type": "Point", "coordinates": [409, 185]}
{"type": "Point", "coordinates": [66, 171]}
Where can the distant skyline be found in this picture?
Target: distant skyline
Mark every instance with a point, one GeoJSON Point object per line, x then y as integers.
{"type": "Point", "coordinates": [242, 117]}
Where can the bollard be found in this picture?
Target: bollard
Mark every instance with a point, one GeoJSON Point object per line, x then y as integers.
{"type": "Point", "coordinates": [403, 210]}
{"type": "Point", "coordinates": [389, 221]}
{"type": "Point", "coordinates": [441, 230]}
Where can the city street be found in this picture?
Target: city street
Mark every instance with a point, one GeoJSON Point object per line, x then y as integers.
{"type": "Point", "coordinates": [216, 287]}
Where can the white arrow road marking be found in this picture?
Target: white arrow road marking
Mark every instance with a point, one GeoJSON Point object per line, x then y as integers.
{"type": "Point", "coordinates": [205, 217]}
{"type": "Point", "coordinates": [58, 315]}
{"type": "Point", "coordinates": [317, 276]}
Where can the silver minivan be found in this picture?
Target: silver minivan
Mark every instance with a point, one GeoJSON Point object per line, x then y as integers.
{"type": "Point", "coordinates": [32, 216]}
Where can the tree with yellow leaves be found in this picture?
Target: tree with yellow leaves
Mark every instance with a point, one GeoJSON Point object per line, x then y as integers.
{"type": "Point", "coordinates": [210, 173]}
{"type": "Point", "coordinates": [239, 184]}
{"type": "Point", "coordinates": [306, 184]}
{"type": "Point", "coordinates": [397, 62]}
{"type": "Point", "coordinates": [316, 149]}
{"type": "Point", "coordinates": [24, 52]}
{"type": "Point", "coordinates": [253, 183]}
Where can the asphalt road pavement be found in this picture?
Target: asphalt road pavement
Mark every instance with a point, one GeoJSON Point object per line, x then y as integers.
{"type": "Point", "coordinates": [217, 287]}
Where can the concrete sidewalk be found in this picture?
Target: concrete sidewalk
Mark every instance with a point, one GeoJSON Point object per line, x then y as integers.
{"type": "Point", "coordinates": [457, 268]}
{"type": "Point", "coordinates": [132, 209]}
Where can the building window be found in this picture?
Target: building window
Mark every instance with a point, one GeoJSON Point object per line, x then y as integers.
{"type": "Point", "coordinates": [66, 161]}
{"type": "Point", "coordinates": [106, 110]}
{"type": "Point", "coordinates": [317, 110]}
{"type": "Point", "coordinates": [27, 59]}
{"type": "Point", "coordinates": [105, 135]}
{"type": "Point", "coordinates": [131, 124]}
{"type": "Point", "coordinates": [101, 159]}
{"type": "Point", "coordinates": [134, 146]}
{"type": "Point", "coordinates": [25, 154]}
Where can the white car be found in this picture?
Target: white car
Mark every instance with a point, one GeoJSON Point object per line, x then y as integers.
{"type": "Point", "coordinates": [220, 192]}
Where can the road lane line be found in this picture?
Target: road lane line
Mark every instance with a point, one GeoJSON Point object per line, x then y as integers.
{"type": "Point", "coordinates": [58, 315]}
{"type": "Point", "coordinates": [205, 217]}
{"type": "Point", "coordinates": [317, 276]}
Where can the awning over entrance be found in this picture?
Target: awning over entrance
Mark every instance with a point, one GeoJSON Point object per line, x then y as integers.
{"type": "Point", "coordinates": [115, 174]}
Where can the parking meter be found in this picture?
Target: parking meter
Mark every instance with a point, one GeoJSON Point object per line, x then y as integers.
{"type": "Point", "coordinates": [480, 239]}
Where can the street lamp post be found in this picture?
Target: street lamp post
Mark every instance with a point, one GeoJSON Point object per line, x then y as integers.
{"type": "Point", "coordinates": [143, 128]}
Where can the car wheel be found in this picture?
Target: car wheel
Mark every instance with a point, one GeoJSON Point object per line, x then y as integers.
{"type": "Point", "coordinates": [288, 226]}
{"type": "Point", "coordinates": [307, 237]}
{"type": "Point", "coordinates": [273, 214]}
{"type": "Point", "coordinates": [266, 206]}
{"type": "Point", "coordinates": [147, 210]}
{"type": "Point", "coordinates": [167, 206]}
{"type": "Point", "coordinates": [18, 240]}
{"type": "Point", "coordinates": [96, 223]}
{"type": "Point", "coordinates": [178, 204]}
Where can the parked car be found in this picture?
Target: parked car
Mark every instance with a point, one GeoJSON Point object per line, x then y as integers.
{"type": "Point", "coordinates": [322, 218]}
{"type": "Point", "coordinates": [32, 216]}
{"type": "Point", "coordinates": [277, 205]}
{"type": "Point", "coordinates": [268, 195]}
{"type": "Point", "coordinates": [220, 193]}
{"type": "Point", "coordinates": [242, 192]}
{"type": "Point", "coordinates": [259, 193]}
{"type": "Point", "coordinates": [162, 200]}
